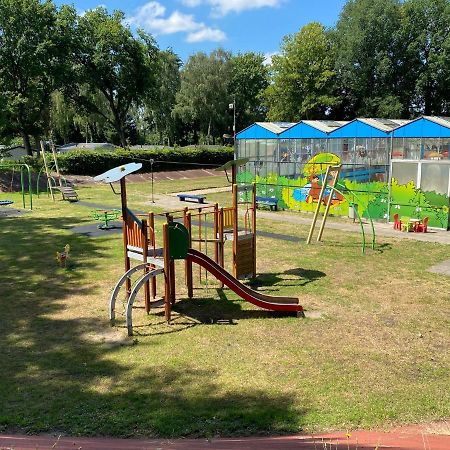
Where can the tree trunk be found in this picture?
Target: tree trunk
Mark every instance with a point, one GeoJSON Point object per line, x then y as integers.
{"type": "Point", "coordinates": [123, 141]}
{"type": "Point", "coordinates": [26, 143]}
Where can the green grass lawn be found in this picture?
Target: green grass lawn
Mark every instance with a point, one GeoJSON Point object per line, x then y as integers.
{"type": "Point", "coordinates": [377, 354]}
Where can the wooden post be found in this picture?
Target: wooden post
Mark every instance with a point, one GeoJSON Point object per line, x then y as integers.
{"type": "Point", "coordinates": [316, 212]}
{"type": "Point", "coordinates": [235, 228]}
{"type": "Point", "coordinates": [52, 145]}
{"type": "Point", "coordinates": [152, 241]}
{"type": "Point", "coordinates": [216, 232]}
{"type": "Point", "coordinates": [334, 172]}
{"type": "Point", "coordinates": [254, 228]}
{"type": "Point", "coordinates": [49, 183]}
{"type": "Point", "coordinates": [171, 268]}
{"type": "Point", "coordinates": [188, 266]}
{"type": "Point", "coordinates": [146, 270]}
{"type": "Point", "coordinates": [221, 241]}
{"type": "Point", "coordinates": [166, 255]}
{"type": "Point", "coordinates": [123, 200]}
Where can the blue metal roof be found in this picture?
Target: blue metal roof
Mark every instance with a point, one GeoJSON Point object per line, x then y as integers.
{"type": "Point", "coordinates": [302, 130]}
{"type": "Point", "coordinates": [263, 130]}
{"type": "Point", "coordinates": [358, 129]}
{"type": "Point", "coordinates": [431, 127]}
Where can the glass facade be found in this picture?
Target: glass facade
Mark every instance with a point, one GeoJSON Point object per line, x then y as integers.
{"type": "Point", "coordinates": [387, 173]}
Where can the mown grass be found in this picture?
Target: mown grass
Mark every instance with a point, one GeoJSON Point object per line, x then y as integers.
{"type": "Point", "coordinates": [378, 354]}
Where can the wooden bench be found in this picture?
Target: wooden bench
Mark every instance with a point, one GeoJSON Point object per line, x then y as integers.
{"type": "Point", "coordinates": [68, 193]}
{"type": "Point", "coordinates": [192, 197]}
{"type": "Point", "coordinates": [271, 202]}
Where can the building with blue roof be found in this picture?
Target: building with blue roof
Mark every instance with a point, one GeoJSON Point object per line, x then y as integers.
{"type": "Point", "coordinates": [379, 158]}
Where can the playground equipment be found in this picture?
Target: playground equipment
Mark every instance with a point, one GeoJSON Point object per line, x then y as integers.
{"type": "Point", "coordinates": [67, 192]}
{"type": "Point", "coordinates": [139, 240]}
{"type": "Point", "coordinates": [22, 168]}
{"type": "Point", "coordinates": [327, 193]}
{"type": "Point", "coordinates": [105, 216]}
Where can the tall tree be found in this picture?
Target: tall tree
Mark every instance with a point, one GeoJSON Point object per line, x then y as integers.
{"type": "Point", "coordinates": [203, 99]}
{"type": "Point", "coordinates": [303, 76]}
{"type": "Point", "coordinates": [426, 55]}
{"type": "Point", "coordinates": [34, 40]}
{"type": "Point", "coordinates": [160, 104]}
{"type": "Point", "coordinates": [367, 63]}
{"type": "Point", "coordinates": [110, 60]}
{"type": "Point", "coordinates": [249, 79]}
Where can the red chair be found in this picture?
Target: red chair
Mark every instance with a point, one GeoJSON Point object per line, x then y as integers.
{"type": "Point", "coordinates": [397, 223]}
{"type": "Point", "coordinates": [422, 227]}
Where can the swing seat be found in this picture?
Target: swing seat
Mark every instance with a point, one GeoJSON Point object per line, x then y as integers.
{"type": "Point", "coordinates": [6, 202]}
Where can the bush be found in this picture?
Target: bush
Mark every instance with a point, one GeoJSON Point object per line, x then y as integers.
{"type": "Point", "coordinates": [82, 162]}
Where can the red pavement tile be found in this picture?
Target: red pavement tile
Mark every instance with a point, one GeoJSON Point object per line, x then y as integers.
{"type": "Point", "coordinates": [412, 438]}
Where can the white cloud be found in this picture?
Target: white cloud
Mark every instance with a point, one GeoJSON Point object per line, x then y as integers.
{"type": "Point", "coordinates": [268, 58]}
{"type": "Point", "coordinates": [206, 34]}
{"type": "Point", "coordinates": [152, 17]}
{"type": "Point", "coordinates": [223, 7]}
{"type": "Point", "coordinates": [192, 3]}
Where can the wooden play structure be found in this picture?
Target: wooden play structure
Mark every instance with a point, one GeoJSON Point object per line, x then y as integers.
{"type": "Point", "coordinates": [181, 230]}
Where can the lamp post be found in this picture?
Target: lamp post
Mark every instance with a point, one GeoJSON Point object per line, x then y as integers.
{"type": "Point", "coordinates": [233, 107]}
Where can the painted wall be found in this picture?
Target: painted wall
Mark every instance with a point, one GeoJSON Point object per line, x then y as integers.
{"type": "Point", "coordinates": [372, 197]}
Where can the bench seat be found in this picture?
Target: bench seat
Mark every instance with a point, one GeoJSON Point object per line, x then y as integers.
{"type": "Point", "coordinates": [271, 202]}
{"type": "Point", "coordinates": [192, 197]}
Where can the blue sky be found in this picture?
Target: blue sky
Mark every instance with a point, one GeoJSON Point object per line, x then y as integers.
{"type": "Point", "coordinates": [189, 26]}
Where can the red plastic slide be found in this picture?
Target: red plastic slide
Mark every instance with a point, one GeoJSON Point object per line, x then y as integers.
{"type": "Point", "coordinates": [257, 298]}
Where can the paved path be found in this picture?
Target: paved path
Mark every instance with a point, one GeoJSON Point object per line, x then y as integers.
{"type": "Point", "coordinates": [406, 438]}
{"type": "Point", "coordinates": [442, 268]}
{"type": "Point", "coordinates": [381, 229]}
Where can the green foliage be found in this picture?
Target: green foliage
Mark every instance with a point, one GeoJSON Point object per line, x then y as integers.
{"type": "Point", "coordinates": [93, 163]}
{"type": "Point", "coordinates": [367, 42]}
{"type": "Point", "coordinates": [33, 62]}
{"type": "Point", "coordinates": [109, 60]}
{"type": "Point", "coordinates": [425, 55]}
{"type": "Point", "coordinates": [303, 76]}
{"type": "Point", "coordinates": [249, 79]}
{"type": "Point", "coordinates": [203, 98]}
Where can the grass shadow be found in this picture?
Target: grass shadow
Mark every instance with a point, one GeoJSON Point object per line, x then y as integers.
{"type": "Point", "coordinates": [57, 373]}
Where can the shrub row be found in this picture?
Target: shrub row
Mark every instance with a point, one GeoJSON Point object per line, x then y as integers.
{"type": "Point", "coordinates": [84, 162]}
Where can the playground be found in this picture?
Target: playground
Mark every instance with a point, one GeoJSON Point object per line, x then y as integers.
{"type": "Point", "coordinates": [371, 352]}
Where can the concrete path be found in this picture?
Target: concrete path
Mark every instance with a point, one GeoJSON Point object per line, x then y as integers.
{"type": "Point", "coordinates": [381, 229]}
{"type": "Point", "coordinates": [442, 268]}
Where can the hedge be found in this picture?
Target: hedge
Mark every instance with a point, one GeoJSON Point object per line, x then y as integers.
{"type": "Point", "coordinates": [85, 162]}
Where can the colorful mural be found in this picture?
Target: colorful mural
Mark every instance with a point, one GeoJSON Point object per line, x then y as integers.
{"type": "Point", "coordinates": [371, 197]}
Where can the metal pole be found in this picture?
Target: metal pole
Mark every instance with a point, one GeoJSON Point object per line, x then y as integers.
{"type": "Point", "coordinates": [151, 170]}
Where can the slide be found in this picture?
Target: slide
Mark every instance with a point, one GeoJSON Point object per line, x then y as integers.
{"type": "Point", "coordinates": [257, 298]}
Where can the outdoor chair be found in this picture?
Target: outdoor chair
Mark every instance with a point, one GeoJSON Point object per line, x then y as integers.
{"type": "Point", "coordinates": [397, 223]}
{"type": "Point", "coordinates": [422, 227]}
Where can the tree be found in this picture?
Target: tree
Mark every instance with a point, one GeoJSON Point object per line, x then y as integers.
{"type": "Point", "coordinates": [425, 33]}
{"type": "Point", "coordinates": [367, 58]}
{"type": "Point", "coordinates": [159, 105]}
{"type": "Point", "coordinates": [33, 50]}
{"type": "Point", "coordinates": [303, 76]}
{"type": "Point", "coordinates": [203, 99]}
{"type": "Point", "coordinates": [108, 59]}
{"type": "Point", "coordinates": [249, 79]}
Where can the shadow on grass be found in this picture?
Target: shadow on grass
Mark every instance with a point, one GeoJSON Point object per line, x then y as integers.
{"type": "Point", "coordinates": [301, 277]}
{"type": "Point", "coordinates": [222, 311]}
{"type": "Point", "coordinates": [56, 375]}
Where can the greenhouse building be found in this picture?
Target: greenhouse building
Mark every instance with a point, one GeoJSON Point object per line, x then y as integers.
{"type": "Point", "coordinates": [388, 166]}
